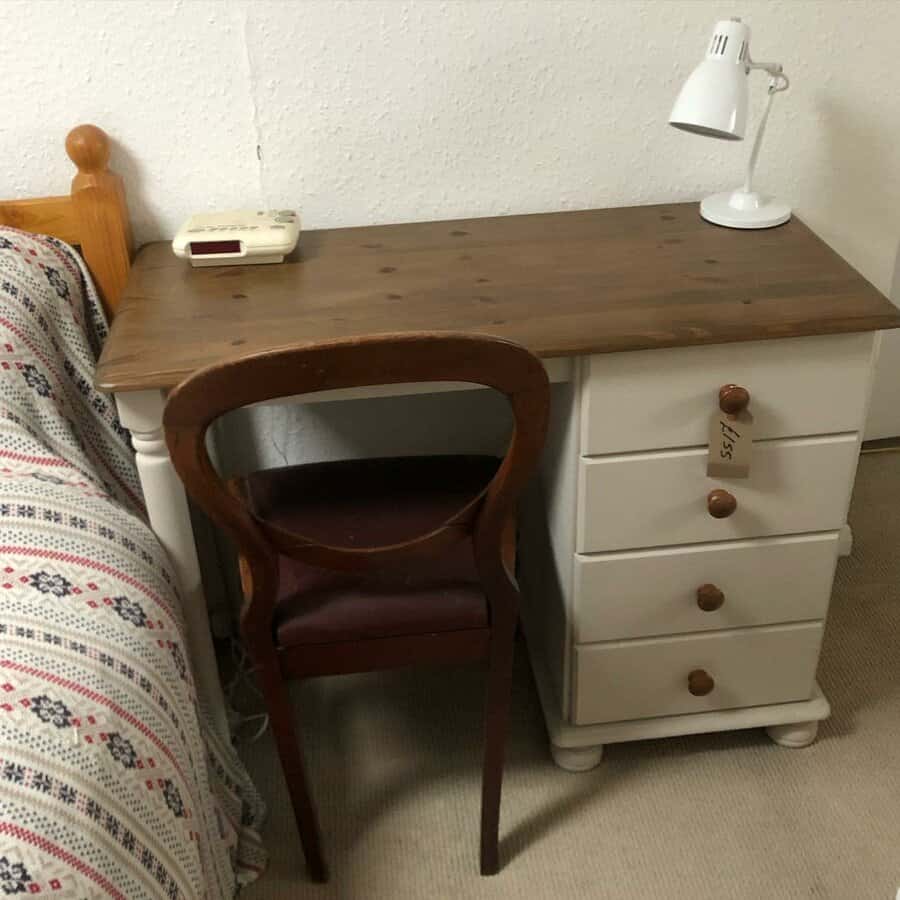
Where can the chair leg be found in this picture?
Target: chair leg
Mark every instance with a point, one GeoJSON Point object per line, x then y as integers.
{"type": "Point", "coordinates": [287, 739]}
{"type": "Point", "coordinates": [496, 727]}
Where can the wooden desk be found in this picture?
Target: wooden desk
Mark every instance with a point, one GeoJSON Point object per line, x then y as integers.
{"type": "Point", "coordinates": [633, 295]}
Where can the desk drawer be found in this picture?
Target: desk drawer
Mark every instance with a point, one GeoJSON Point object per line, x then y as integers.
{"type": "Point", "coordinates": [657, 399]}
{"type": "Point", "coordinates": [654, 592]}
{"type": "Point", "coordinates": [641, 679]}
{"type": "Point", "coordinates": [655, 499]}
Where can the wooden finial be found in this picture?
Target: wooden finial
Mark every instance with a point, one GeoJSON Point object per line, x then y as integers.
{"type": "Point", "coordinates": [98, 199]}
{"type": "Point", "coordinates": [88, 148]}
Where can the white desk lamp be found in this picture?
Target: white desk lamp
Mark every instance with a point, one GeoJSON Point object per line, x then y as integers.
{"type": "Point", "coordinates": [713, 102]}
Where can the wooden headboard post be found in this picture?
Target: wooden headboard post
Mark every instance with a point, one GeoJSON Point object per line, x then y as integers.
{"type": "Point", "coordinates": [98, 200]}
{"type": "Point", "coordinates": [94, 215]}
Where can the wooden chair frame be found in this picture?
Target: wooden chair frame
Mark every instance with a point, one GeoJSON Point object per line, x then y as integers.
{"type": "Point", "coordinates": [94, 216]}
{"type": "Point", "coordinates": [384, 359]}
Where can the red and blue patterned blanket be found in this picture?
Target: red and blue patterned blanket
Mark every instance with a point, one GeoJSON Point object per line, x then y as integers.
{"type": "Point", "coordinates": [112, 784]}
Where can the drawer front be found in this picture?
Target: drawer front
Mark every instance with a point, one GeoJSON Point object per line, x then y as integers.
{"type": "Point", "coordinates": [655, 499]}
{"type": "Point", "coordinates": [749, 667]}
{"type": "Point", "coordinates": [657, 399]}
{"type": "Point", "coordinates": [654, 592]}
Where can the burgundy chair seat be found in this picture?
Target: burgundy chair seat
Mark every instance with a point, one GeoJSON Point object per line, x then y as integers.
{"type": "Point", "coordinates": [368, 503]}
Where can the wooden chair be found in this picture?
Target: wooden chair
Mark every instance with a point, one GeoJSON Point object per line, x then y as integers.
{"type": "Point", "coordinates": [372, 564]}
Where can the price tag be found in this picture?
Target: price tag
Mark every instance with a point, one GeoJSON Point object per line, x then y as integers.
{"type": "Point", "coordinates": [730, 443]}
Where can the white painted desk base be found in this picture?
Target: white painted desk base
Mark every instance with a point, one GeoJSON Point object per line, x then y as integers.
{"type": "Point", "coordinates": [574, 747]}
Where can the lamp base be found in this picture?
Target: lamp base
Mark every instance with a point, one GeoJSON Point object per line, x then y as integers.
{"type": "Point", "coordinates": [742, 209]}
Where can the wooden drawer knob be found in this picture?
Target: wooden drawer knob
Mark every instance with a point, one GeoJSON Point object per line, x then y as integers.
{"type": "Point", "coordinates": [700, 682]}
{"type": "Point", "coordinates": [720, 503]}
{"type": "Point", "coordinates": [733, 399]}
{"type": "Point", "coordinates": [709, 597]}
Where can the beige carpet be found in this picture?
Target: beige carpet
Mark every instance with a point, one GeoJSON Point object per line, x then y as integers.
{"type": "Point", "coordinates": [395, 766]}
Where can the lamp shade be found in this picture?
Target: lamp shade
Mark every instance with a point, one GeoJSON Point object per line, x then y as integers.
{"type": "Point", "coordinates": [713, 101]}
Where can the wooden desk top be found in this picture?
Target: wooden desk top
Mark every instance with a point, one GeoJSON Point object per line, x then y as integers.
{"type": "Point", "coordinates": [562, 284]}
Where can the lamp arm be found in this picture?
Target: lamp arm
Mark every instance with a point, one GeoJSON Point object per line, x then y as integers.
{"type": "Point", "coordinates": [778, 82]}
{"type": "Point", "coordinates": [770, 67]}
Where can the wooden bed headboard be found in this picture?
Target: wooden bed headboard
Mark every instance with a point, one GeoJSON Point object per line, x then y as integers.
{"type": "Point", "coordinates": [93, 216]}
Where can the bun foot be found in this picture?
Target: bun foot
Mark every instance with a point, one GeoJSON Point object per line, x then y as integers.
{"type": "Point", "coordinates": [577, 759]}
{"type": "Point", "coordinates": [796, 734]}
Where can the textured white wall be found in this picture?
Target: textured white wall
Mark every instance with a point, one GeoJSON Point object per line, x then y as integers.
{"type": "Point", "coordinates": [392, 111]}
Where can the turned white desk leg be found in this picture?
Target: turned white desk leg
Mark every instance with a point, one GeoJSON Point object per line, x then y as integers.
{"type": "Point", "coordinates": [141, 412]}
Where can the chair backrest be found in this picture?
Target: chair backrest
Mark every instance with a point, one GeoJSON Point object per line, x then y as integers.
{"type": "Point", "coordinates": [357, 362]}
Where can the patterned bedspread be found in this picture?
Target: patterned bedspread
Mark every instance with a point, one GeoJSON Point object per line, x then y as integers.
{"type": "Point", "coordinates": [112, 782]}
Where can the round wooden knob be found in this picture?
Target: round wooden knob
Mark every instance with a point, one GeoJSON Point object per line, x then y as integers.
{"type": "Point", "coordinates": [700, 682]}
{"type": "Point", "coordinates": [88, 148]}
{"type": "Point", "coordinates": [720, 503]}
{"type": "Point", "coordinates": [733, 399]}
{"type": "Point", "coordinates": [709, 597]}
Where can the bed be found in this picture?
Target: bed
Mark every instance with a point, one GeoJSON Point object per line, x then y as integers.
{"type": "Point", "coordinates": [113, 780]}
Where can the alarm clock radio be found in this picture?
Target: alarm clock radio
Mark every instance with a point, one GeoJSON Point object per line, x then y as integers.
{"type": "Point", "coordinates": [237, 238]}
